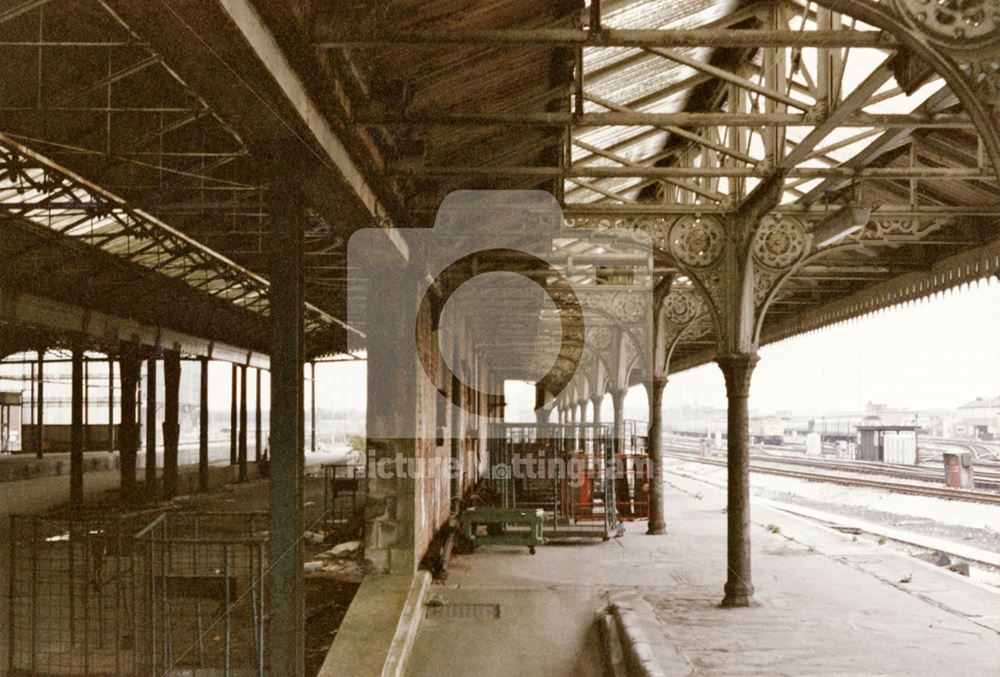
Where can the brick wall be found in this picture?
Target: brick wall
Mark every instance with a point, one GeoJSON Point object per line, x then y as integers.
{"type": "Point", "coordinates": [404, 512]}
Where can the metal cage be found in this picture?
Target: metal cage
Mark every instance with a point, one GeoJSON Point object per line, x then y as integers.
{"type": "Point", "coordinates": [144, 594]}
{"type": "Point", "coordinates": [343, 495]}
{"type": "Point", "coordinates": [564, 469]}
{"type": "Point", "coordinates": [72, 598]}
{"type": "Point", "coordinates": [201, 576]}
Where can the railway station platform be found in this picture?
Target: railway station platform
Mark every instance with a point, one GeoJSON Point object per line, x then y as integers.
{"type": "Point", "coordinates": [825, 604]}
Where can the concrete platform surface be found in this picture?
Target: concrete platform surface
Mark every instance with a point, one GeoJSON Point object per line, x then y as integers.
{"type": "Point", "coordinates": [826, 604]}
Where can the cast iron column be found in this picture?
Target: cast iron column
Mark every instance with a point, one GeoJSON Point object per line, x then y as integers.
{"type": "Point", "coordinates": [258, 449]}
{"type": "Point", "coordinates": [151, 428]}
{"type": "Point", "coordinates": [582, 433]}
{"type": "Point", "coordinates": [618, 407]}
{"type": "Point", "coordinates": [243, 424]}
{"type": "Point", "coordinates": [657, 522]}
{"type": "Point", "coordinates": [76, 432]}
{"type": "Point", "coordinates": [171, 420]}
{"type": "Point", "coordinates": [287, 621]}
{"type": "Point", "coordinates": [619, 481]}
{"type": "Point", "coordinates": [86, 400]}
{"type": "Point", "coordinates": [203, 426]}
{"type": "Point", "coordinates": [456, 441]}
{"type": "Point", "coordinates": [233, 422]}
{"type": "Point", "coordinates": [312, 405]}
{"type": "Point", "coordinates": [129, 433]}
{"type": "Point", "coordinates": [40, 419]}
{"type": "Point", "coordinates": [595, 402]}
{"type": "Point", "coordinates": [737, 370]}
{"type": "Point", "coordinates": [111, 404]}
{"type": "Point", "coordinates": [574, 434]}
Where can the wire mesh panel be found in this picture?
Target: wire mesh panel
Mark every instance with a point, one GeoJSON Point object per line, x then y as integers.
{"type": "Point", "coordinates": [343, 494]}
{"type": "Point", "coordinates": [71, 595]}
{"type": "Point", "coordinates": [201, 577]}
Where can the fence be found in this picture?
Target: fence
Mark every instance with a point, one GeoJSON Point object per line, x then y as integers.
{"type": "Point", "coordinates": [201, 576]}
{"type": "Point", "coordinates": [343, 494]}
{"type": "Point", "coordinates": [72, 596]}
{"type": "Point", "coordinates": [142, 594]}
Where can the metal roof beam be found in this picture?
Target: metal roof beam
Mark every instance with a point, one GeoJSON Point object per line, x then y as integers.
{"type": "Point", "coordinates": [681, 118]}
{"type": "Point", "coordinates": [608, 37]}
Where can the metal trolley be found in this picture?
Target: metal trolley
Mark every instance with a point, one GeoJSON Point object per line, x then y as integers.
{"type": "Point", "coordinates": [566, 470]}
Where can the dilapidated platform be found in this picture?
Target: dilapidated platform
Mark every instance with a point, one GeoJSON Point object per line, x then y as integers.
{"type": "Point", "coordinates": [825, 604]}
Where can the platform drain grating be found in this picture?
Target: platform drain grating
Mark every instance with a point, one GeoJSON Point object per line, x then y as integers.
{"type": "Point", "coordinates": [461, 612]}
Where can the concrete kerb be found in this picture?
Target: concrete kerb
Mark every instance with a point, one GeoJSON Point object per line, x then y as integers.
{"type": "Point", "coordinates": [630, 613]}
{"type": "Point", "coordinates": [409, 623]}
{"type": "Point", "coordinates": [377, 634]}
{"type": "Point", "coordinates": [614, 654]}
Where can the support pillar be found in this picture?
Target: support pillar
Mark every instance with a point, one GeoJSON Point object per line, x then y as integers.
{"type": "Point", "coordinates": [203, 426]}
{"type": "Point", "coordinates": [457, 438]}
{"type": "Point", "coordinates": [129, 432]}
{"type": "Point", "coordinates": [151, 428]}
{"type": "Point", "coordinates": [737, 370]}
{"type": "Point", "coordinates": [111, 404]}
{"type": "Point", "coordinates": [258, 433]}
{"type": "Point", "coordinates": [573, 434]}
{"type": "Point", "coordinates": [40, 418]}
{"type": "Point", "coordinates": [312, 406]}
{"type": "Point", "coordinates": [171, 420]}
{"type": "Point", "coordinates": [76, 433]}
{"type": "Point", "coordinates": [657, 522]}
{"type": "Point", "coordinates": [233, 422]}
{"type": "Point", "coordinates": [618, 422]}
{"type": "Point", "coordinates": [541, 412]}
{"type": "Point", "coordinates": [621, 488]}
{"type": "Point", "coordinates": [242, 457]}
{"type": "Point", "coordinates": [86, 400]}
{"type": "Point", "coordinates": [595, 403]}
{"type": "Point", "coordinates": [287, 621]}
{"type": "Point", "coordinates": [582, 431]}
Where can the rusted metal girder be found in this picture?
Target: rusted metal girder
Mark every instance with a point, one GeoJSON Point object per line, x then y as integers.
{"type": "Point", "coordinates": [682, 118]}
{"type": "Point", "coordinates": [698, 172]}
{"type": "Point", "coordinates": [331, 38]}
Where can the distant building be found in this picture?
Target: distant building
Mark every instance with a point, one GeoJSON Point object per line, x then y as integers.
{"type": "Point", "coordinates": [890, 415]}
{"type": "Point", "coordinates": [979, 418]}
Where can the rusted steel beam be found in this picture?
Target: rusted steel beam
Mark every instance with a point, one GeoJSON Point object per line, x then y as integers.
{"type": "Point", "coordinates": [681, 118]}
{"type": "Point", "coordinates": [568, 37]}
{"type": "Point", "coordinates": [629, 171]}
{"type": "Point", "coordinates": [800, 210]}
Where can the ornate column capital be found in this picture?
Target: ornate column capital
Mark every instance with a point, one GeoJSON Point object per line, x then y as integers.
{"type": "Point", "coordinates": [737, 369]}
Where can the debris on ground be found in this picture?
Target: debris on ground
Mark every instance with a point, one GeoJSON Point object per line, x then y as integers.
{"type": "Point", "coordinates": [348, 549]}
{"type": "Point", "coordinates": [327, 601]}
{"type": "Point", "coordinates": [313, 537]}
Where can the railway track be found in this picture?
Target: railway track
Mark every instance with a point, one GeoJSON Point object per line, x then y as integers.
{"type": "Point", "coordinates": [920, 473]}
{"type": "Point", "coordinates": [895, 487]}
{"type": "Point", "coordinates": [769, 454]}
